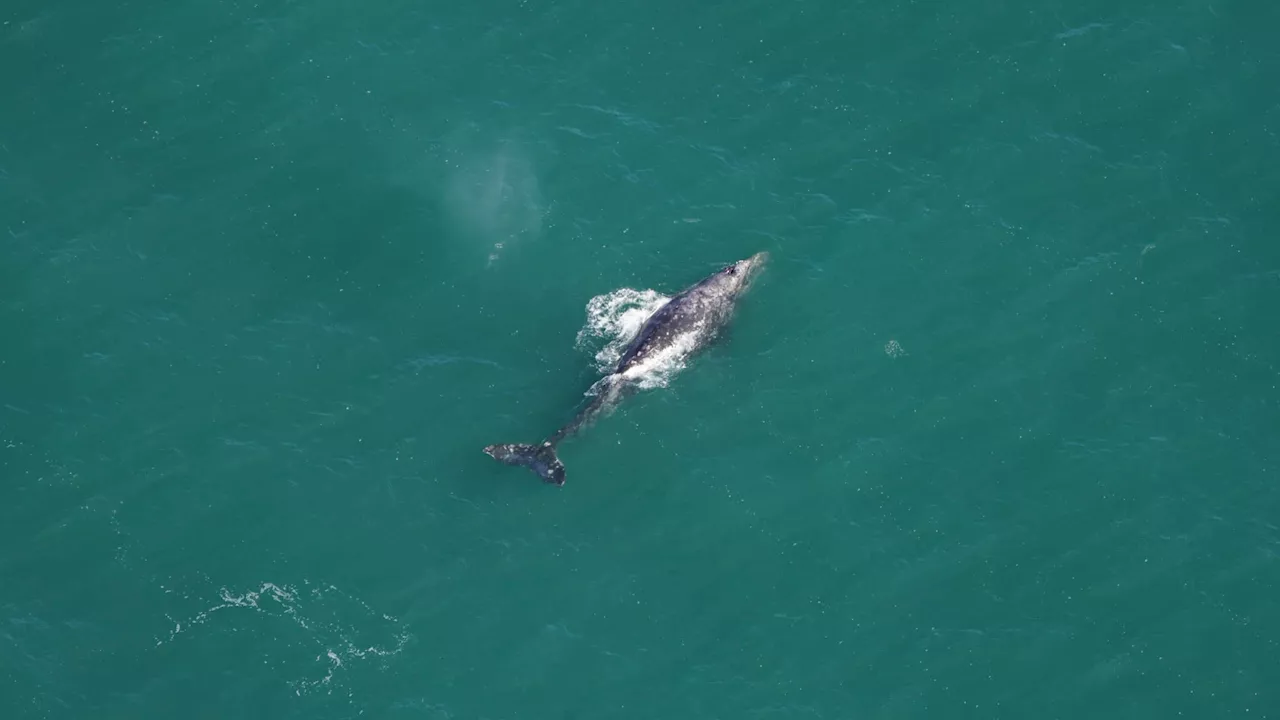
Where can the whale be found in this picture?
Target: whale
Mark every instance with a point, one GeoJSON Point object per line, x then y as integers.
{"type": "Point", "coordinates": [688, 323]}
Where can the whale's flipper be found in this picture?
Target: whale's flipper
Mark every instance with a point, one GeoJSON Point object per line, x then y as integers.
{"type": "Point", "coordinates": [539, 458]}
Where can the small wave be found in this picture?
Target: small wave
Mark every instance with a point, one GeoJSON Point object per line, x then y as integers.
{"type": "Point", "coordinates": [613, 320]}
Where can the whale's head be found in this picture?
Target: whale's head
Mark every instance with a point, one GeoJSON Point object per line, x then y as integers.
{"type": "Point", "coordinates": [736, 278]}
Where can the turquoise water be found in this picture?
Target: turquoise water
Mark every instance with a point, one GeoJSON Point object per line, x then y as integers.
{"type": "Point", "coordinates": [993, 436]}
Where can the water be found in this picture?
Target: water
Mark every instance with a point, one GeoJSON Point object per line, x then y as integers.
{"type": "Point", "coordinates": [992, 436]}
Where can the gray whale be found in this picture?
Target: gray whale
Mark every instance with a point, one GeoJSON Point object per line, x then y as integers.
{"type": "Point", "coordinates": [684, 326]}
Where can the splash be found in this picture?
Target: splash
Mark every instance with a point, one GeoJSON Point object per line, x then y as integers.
{"type": "Point", "coordinates": [614, 319]}
{"type": "Point", "coordinates": [657, 370]}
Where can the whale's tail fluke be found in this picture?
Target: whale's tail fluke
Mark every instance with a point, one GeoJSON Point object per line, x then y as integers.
{"type": "Point", "coordinates": [539, 458]}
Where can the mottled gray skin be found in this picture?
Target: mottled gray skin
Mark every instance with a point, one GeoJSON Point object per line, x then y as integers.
{"type": "Point", "coordinates": [694, 316]}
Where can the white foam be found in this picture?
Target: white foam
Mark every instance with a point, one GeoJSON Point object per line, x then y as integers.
{"type": "Point", "coordinates": [658, 369]}
{"type": "Point", "coordinates": [317, 615]}
{"type": "Point", "coordinates": [613, 321]}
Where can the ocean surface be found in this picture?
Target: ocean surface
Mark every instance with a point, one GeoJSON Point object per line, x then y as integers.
{"type": "Point", "coordinates": [995, 435]}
